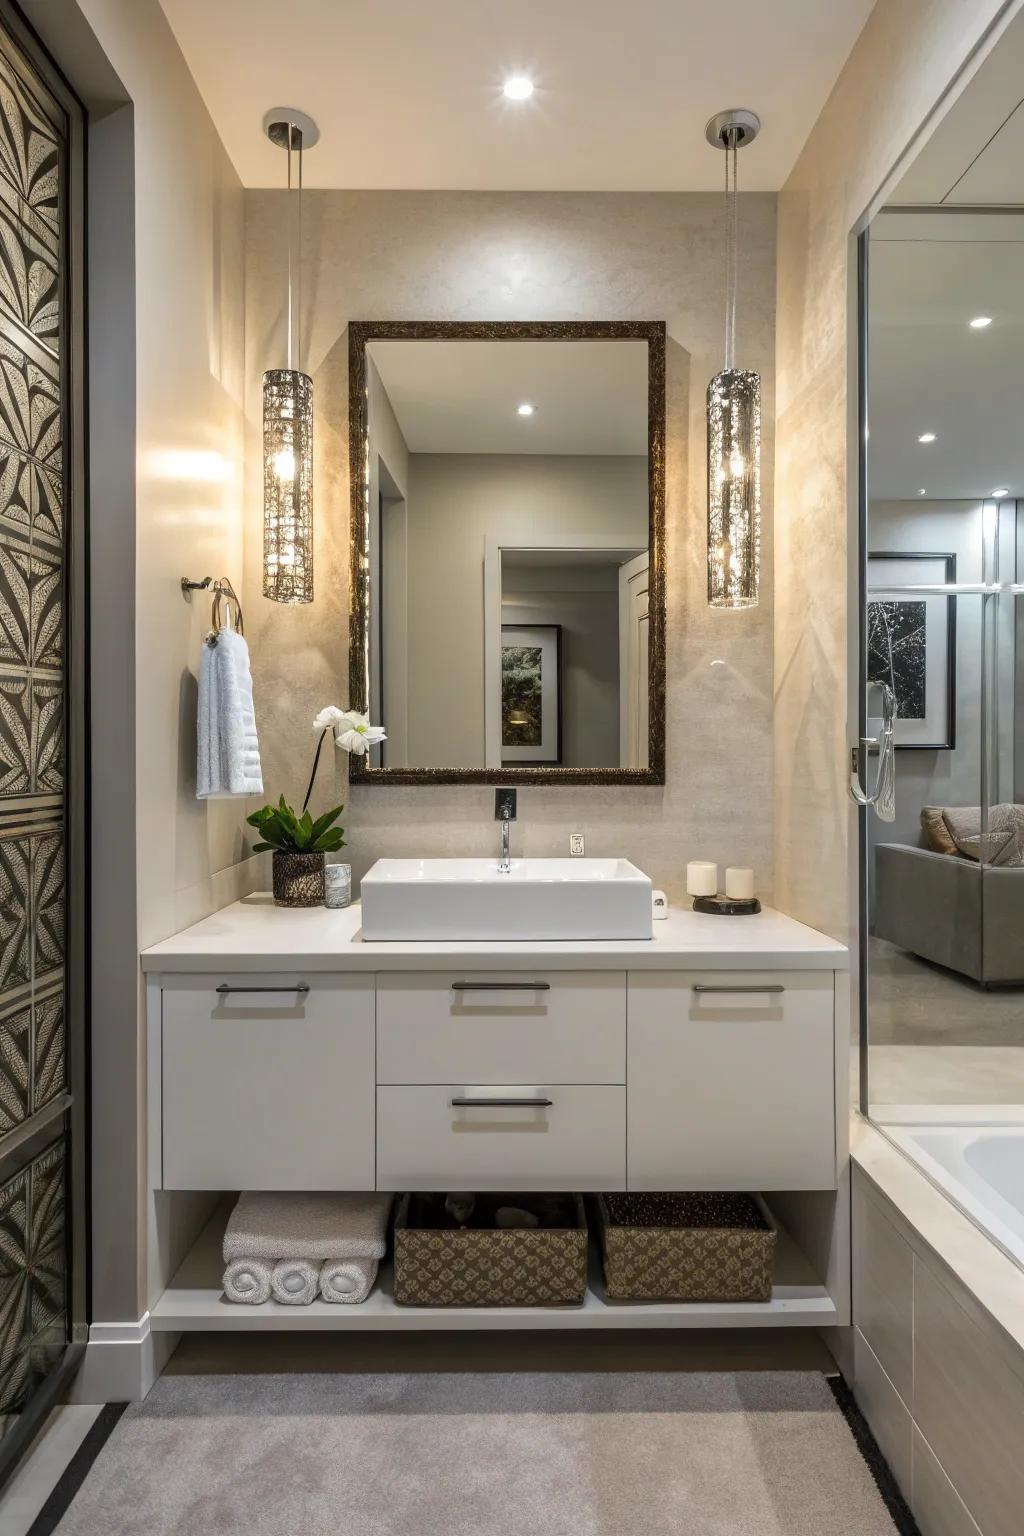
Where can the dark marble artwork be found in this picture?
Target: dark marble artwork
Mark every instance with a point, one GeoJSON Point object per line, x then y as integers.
{"type": "Point", "coordinates": [897, 654]}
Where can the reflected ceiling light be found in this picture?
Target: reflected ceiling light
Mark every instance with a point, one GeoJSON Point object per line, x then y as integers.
{"type": "Point", "coordinates": [1001, 490]}
{"type": "Point", "coordinates": [288, 405]}
{"type": "Point", "coordinates": [980, 322]}
{"type": "Point", "coordinates": [526, 409]}
{"type": "Point", "coordinates": [734, 415]}
{"type": "Point", "coordinates": [922, 491]}
{"type": "Point", "coordinates": [518, 88]}
{"type": "Point", "coordinates": [927, 437]}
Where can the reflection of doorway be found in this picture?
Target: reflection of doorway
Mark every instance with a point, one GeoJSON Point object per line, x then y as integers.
{"type": "Point", "coordinates": [633, 661]}
{"type": "Point", "coordinates": [389, 678]}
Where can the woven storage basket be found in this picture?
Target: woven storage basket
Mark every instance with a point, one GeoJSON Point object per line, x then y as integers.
{"type": "Point", "coordinates": [481, 1266]}
{"type": "Point", "coordinates": [686, 1247]}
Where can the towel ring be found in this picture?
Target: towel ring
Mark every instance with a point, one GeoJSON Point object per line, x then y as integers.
{"type": "Point", "coordinates": [223, 592]}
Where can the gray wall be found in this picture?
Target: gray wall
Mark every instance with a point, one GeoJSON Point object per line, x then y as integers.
{"type": "Point", "coordinates": [455, 502]}
{"type": "Point", "coordinates": [584, 600]}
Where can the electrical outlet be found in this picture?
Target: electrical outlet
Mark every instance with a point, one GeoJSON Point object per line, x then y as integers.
{"type": "Point", "coordinates": [576, 844]}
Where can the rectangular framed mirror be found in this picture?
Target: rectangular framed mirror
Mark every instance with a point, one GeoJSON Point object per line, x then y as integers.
{"type": "Point", "coordinates": [508, 550]}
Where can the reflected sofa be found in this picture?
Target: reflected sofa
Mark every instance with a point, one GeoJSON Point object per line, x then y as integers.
{"type": "Point", "coordinates": [948, 909]}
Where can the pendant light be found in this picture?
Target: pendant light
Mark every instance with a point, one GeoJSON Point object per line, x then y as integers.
{"type": "Point", "coordinates": [734, 416]}
{"type": "Point", "coordinates": [288, 403]}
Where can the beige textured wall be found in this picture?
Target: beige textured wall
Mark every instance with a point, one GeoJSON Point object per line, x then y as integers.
{"type": "Point", "coordinates": [902, 65]}
{"type": "Point", "coordinates": [504, 256]}
{"type": "Point", "coordinates": [166, 358]}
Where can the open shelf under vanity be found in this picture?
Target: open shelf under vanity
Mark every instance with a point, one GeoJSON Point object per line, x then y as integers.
{"type": "Point", "coordinates": [194, 1302]}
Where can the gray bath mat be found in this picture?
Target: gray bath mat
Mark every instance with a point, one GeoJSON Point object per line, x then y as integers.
{"type": "Point", "coordinates": [754, 1454]}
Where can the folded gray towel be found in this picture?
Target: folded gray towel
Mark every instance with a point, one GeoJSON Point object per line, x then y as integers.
{"type": "Point", "coordinates": [295, 1282]}
{"type": "Point", "coordinates": [247, 1281]}
{"type": "Point", "coordinates": [307, 1226]}
{"type": "Point", "coordinates": [347, 1280]}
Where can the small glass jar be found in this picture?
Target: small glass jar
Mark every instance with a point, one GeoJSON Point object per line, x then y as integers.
{"type": "Point", "coordinates": [337, 885]}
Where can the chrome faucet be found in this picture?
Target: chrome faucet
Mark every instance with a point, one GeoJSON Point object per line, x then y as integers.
{"type": "Point", "coordinates": [505, 812]}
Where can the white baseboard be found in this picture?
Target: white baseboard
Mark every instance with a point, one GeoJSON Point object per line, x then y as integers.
{"type": "Point", "coordinates": [122, 1361]}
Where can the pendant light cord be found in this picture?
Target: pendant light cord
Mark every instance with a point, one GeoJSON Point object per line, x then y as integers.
{"type": "Point", "coordinates": [295, 257]}
{"type": "Point", "coordinates": [290, 243]}
{"type": "Point", "coordinates": [730, 245]}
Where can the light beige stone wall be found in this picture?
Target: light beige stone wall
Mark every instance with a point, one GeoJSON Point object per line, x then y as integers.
{"type": "Point", "coordinates": [899, 72]}
{"type": "Point", "coordinates": [504, 256]}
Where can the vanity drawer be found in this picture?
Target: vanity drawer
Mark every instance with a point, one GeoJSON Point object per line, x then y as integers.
{"type": "Point", "coordinates": [268, 1082]}
{"type": "Point", "coordinates": [574, 1141]}
{"type": "Point", "coordinates": [732, 1080]}
{"type": "Point", "coordinates": [502, 1027]}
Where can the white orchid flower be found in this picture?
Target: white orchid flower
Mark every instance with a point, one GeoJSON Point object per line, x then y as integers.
{"type": "Point", "coordinates": [352, 731]}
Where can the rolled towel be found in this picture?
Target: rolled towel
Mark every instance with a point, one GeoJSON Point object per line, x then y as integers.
{"type": "Point", "coordinates": [313, 1226]}
{"type": "Point", "coordinates": [247, 1281]}
{"type": "Point", "coordinates": [347, 1280]}
{"type": "Point", "coordinates": [295, 1282]}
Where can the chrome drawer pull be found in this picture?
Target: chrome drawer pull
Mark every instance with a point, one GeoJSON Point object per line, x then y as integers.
{"type": "Point", "coordinates": [301, 986]}
{"type": "Point", "coordinates": [697, 987]}
{"type": "Point", "coordinates": [502, 1103]}
{"type": "Point", "coordinates": [501, 986]}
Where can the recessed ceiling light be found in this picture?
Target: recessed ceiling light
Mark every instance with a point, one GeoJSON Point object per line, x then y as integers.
{"type": "Point", "coordinates": [927, 437]}
{"type": "Point", "coordinates": [922, 491]}
{"type": "Point", "coordinates": [518, 88]}
{"type": "Point", "coordinates": [980, 321]}
{"type": "Point", "coordinates": [1001, 490]}
{"type": "Point", "coordinates": [526, 409]}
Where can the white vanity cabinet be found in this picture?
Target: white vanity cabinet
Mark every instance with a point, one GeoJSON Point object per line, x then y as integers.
{"type": "Point", "coordinates": [284, 1052]}
{"type": "Point", "coordinates": [732, 1080]}
{"type": "Point", "coordinates": [267, 1081]}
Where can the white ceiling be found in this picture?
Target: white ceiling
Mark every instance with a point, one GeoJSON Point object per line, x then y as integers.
{"type": "Point", "coordinates": [589, 397]}
{"type": "Point", "coordinates": [976, 153]}
{"type": "Point", "coordinates": [407, 93]}
{"type": "Point", "coordinates": [930, 273]}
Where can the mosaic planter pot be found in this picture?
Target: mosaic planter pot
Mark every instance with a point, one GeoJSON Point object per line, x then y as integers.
{"type": "Point", "coordinates": [299, 879]}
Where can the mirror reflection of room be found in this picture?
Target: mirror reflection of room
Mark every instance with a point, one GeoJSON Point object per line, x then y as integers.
{"type": "Point", "coordinates": [508, 533]}
{"type": "Point", "coordinates": [945, 630]}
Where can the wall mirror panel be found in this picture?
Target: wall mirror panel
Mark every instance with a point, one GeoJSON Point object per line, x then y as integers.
{"type": "Point", "coordinates": [942, 627]}
{"type": "Point", "coordinates": [507, 558]}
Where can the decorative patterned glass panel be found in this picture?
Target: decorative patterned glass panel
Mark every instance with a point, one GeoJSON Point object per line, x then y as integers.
{"type": "Point", "coordinates": [33, 1070]}
{"type": "Point", "coordinates": [33, 1276]}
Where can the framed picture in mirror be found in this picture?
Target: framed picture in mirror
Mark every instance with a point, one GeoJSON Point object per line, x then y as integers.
{"type": "Point", "coordinates": [507, 550]}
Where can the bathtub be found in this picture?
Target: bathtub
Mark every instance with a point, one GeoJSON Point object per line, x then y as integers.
{"type": "Point", "coordinates": [980, 1168]}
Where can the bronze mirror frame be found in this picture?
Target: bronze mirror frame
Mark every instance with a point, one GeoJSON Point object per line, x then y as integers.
{"type": "Point", "coordinates": [360, 333]}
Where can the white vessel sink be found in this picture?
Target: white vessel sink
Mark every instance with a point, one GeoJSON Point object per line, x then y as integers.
{"type": "Point", "coordinates": [535, 899]}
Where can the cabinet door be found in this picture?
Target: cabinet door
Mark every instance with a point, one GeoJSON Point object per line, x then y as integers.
{"type": "Point", "coordinates": [494, 1027]}
{"type": "Point", "coordinates": [271, 1088]}
{"type": "Point", "coordinates": [731, 1080]}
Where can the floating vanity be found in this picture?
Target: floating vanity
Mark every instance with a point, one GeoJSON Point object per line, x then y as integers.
{"type": "Point", "coordinates": [286, 1052]}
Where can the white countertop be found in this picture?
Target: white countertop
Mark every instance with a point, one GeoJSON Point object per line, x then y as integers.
{"type": "Point", "coordinates": [254, 935]}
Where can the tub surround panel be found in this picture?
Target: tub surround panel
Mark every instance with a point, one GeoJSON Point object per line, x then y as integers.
{"type": "Point", "coordinates": [522, 256]}
{"type": "Point", "coordinates": [934, 1296]}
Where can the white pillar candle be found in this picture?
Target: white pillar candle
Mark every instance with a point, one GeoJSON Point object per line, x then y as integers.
{"type": "Point", "coordinates": [701, 878]}
{"type": "Point", "coordinates": [739, 884]}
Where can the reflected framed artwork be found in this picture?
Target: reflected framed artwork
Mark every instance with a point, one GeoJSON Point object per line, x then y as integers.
{"type": "Point", "coordinates": [531, 693]}
{"type": "Point", "coordinates": [911, 644]}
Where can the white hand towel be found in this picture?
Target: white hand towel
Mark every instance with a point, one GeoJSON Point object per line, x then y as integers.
{"type": "Point", "coordinates": [247, 1281]}
{"type": "Point", "coordinates": [347, 1280]}
{"type": "Point", "coordinates": [228, 749]}
{"type": "Point", "coordinates": [295, 1282]}
{"type": "Point", "coordinates": [316, 1226]}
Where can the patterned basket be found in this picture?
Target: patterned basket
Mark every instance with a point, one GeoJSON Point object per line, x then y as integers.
{"type": "Point", "coordinates": [543, 1266]}
{"type": "Point", "coordinates": [686, 1247]}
